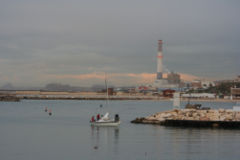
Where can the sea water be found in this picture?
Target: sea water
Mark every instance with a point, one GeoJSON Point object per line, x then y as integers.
{"type": "Point", "coordinates": [27, 132]}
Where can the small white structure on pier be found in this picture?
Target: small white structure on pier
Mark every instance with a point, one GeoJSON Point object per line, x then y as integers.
{"type": "Point", "coordinates": [176, 100]}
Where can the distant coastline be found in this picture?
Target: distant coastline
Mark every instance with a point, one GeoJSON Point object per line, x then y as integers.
{"type": "Point", "coordinates": [51, 95]}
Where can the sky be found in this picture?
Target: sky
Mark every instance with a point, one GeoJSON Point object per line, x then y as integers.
{"type": "Point", "coordinates": [76, 41]}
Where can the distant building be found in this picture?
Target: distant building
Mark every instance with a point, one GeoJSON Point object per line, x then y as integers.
{"type": "Point", "coordinates": [237, 79]}
{"type": "Point", "coordinates": [196, 84]}
{"type": "Point", "coordinates": [173, 78]}
{"type": "Point", "coordinates": [168, 93]}
{"type": "Point", "coordinates": [207, 84]}
{"type": "Point", "coordinates": [217, 83]}
{"type": "Point", "coordinates": [110, 91]}
{"type": "Point", "coordinates": [199, 95]}
{"type": "Point", "coordinates": [235, 92]}
{"type": "Point", "coordinates": [145, 89]}
{"type": "Point", "coordinates": [125, 90]}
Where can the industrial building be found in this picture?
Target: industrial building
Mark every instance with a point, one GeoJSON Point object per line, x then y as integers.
{"type": "Point", "coordinates": [173, 78]}
{"type": "Point", "coordinates": [199, 95]}
{"type": "Point", "coordinates": [160, 82]}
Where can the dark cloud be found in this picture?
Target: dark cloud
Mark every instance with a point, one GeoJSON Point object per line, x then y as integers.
{"type": "Point", "coordinates": [77, 37]}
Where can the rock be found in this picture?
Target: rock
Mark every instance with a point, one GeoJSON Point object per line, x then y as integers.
{"type": "Point", "coordinates": [166, 115]}
{"type": "Point", "coordinates": [228, 118]}
{"type": "Point", "coordinates": [190, 114]}
{"type": "Point", "coordinates": [202, 115]}
{"type": "Point", "coordinates": [237, 116]}
{"type": "Point", "coordinates": [204, 118]}
{"type": "Point", "coordinates": [150, 118]}
{"type": "Point", "coordinates": [221, 110]}
{"type": "Point", "coordinates": [176, 110]}
{"type": "Point", "coordinates": [221, 118]}
{"type": "Point", "coordinates": [229, 110]}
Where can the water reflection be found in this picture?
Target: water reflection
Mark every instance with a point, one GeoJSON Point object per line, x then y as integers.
{"type": "Point", "coordinates": [105, 138]}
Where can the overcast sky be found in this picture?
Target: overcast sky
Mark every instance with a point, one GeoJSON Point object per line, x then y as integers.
{"type": "Point", "coordinates": [75, 41]}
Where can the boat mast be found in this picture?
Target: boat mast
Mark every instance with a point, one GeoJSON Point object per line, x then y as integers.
{"type": "Point", "coordinates": [106, 89]}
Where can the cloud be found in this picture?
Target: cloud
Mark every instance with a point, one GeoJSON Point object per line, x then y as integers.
{"type": "Point", "coordinates": [58, 37]}
{"type": "Point", "coordinates": [188, 77]}
{"type": "Point", "coordinates": [99, 75]}
{"type": "Point", "coordinates": [112, 78]}
{"type": "Point", "coordinates": [117, 79]}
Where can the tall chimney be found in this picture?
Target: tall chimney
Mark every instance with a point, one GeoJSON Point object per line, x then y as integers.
{"type": "Point", "coordinates": [159, 61]}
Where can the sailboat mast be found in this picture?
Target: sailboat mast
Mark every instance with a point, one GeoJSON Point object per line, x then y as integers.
{"type": "Point", "coordinates": [106, 87]}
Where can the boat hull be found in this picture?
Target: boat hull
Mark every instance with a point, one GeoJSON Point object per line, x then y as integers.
{"type": "Point", "coordinates": [105, 123]}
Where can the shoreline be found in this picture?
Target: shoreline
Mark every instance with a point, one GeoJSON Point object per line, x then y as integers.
{"type": "Point", "coordinates": [123, 98]}
{"type": "Point", "coordinates": [50, 95]}
{"type": "Point", "coordinates": [139, 98]}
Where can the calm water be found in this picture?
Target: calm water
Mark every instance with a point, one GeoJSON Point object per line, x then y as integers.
{"type": "Point", "coordinates": [28, 133]}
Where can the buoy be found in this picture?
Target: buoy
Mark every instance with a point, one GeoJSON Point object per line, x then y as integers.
{"type": "Point", "coordinates": [46, 109]}
{"type": "Point", "coordinates": [50, 112]}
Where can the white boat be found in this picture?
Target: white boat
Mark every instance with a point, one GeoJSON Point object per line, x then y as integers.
{"type": "Point", "coordinates": [109, 123]}
{"type": "Point", "coordinates": [106, 121]}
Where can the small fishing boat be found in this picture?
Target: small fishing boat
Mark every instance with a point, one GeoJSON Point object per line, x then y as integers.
{"type": "Point", "coordinates": [106, 121]}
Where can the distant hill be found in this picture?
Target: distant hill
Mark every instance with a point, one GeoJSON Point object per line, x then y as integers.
{"type": "Point", "coordinates": [66, 87]}
{"type": "Point", "coordinates": [63, 87]}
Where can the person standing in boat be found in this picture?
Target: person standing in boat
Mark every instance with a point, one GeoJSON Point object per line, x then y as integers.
{"type": "Point", "coordinates": [92, 119]}
{"type": "Point", "coordinates": [98, 117]}
{"type": "Point", "coordinates": [117, 118]}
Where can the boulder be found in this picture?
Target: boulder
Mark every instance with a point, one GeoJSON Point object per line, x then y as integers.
{"type": "Point", "coordinates": [237, 116]}
{"type": "Point", "coordinates": [221, 110]}
{"type": "Point", "coordinates": [204, 118]}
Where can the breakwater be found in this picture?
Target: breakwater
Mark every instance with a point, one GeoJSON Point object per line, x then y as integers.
{"type": "Point", "coordinates": [91, 98]}
{"type": "Point", "coordinates": [65, 95]}
{"type": "Point", "coordinates": [9, 98]}
{"type": "Point", "coordinates": [221, 118]}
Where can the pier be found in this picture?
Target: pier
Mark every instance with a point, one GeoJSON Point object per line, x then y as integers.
{"type": "Point", "coordinates": [221, 118]}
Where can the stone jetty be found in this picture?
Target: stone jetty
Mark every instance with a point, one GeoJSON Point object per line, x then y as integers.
{"type": "Point", "coordinates": [224, 118]}
{"type": "Point", "coordinates": [8, 98]}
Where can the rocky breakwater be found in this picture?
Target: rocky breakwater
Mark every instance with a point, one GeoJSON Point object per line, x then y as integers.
{"type": "Point", "coordinates": [9, 98]}
{"type": "Point", "coordinates": [222, 118]}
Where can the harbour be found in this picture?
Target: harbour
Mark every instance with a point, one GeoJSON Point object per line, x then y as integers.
{"type": "Point", "coordinates": [28, 132]}
{"type": "Point", "coordinates": [119, 80]}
